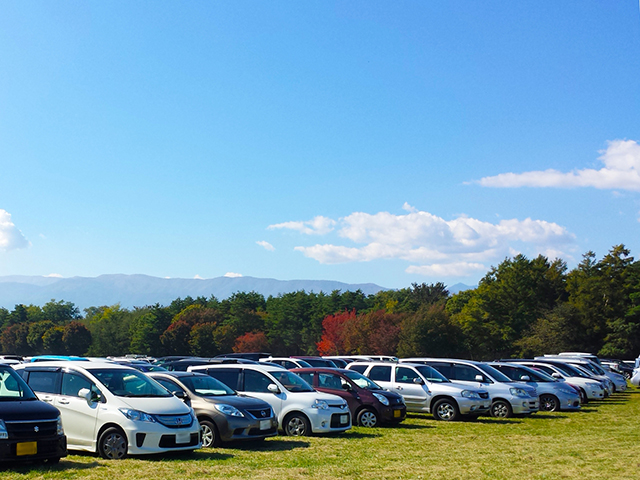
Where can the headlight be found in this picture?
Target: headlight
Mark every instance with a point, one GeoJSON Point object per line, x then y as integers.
{"type": "Point", "coordinates": [229, 410]}
{"type": "Point", "coordinates": [593, 385]}
{"type": "Point", "coordinates": [137, 415]}
{"type": "Point", "coordinates": [518, 392]}
{"type": "Point", "coordinates": [3, 430]}
{"type": "Point", "coordinates": [320, 405]}
{"type": "Point", "coordinates": [382, 399]}
{"type": "Point", "coordinates": [59, 428]}
{"type": "Point", "coordinates": [470, 394]}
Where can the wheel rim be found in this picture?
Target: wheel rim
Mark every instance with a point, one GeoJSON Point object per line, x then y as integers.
{"type": "Point", "coordinates": [446, 411]}
{"type": "Point", "coordinates": [500, 410]}
{"type": "Point", "coordinates": [548, 404]}
{"type": "Point", "coordinates": [114, 446]}
{"type": "Point", "coordinates": [208, 435]}
{"type": "Point", "coordinates": [296, 427]}
{"type": "Point", "coordinates": [368, 419]}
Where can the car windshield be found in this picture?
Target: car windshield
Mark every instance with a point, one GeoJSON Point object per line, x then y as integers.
{"type": "Point", "coordinates": [206, 386]}
{"type": "Point", "coordinates": [497, 375]}
{"type": "Point", "coordinates": [362, 381]}
{"type": "Point", "coordinates": [573, 371]}
{"type": "Point", "coordinates": [129, 383]}
{"type": "Point", "coordinates": [538, 376]}
{"type": "Point", "coordinates": [13, 387]}
{"type": "Point", "coordinates": [291, 381]}
{"type": "Point", "coordinates": [431, 374]}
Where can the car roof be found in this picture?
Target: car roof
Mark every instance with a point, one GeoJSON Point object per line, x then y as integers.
{"type": "Point", "coordinates": [343, 371]}
{"type": "Point", "coordinates": [176, 374]}
{"type": "Point", "coordinates": [77, 364]}
{"type": "Point", "coordinates": [251, 366]}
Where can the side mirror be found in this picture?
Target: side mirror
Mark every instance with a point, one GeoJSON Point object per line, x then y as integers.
{"type": "Point", "coordinates": [525, 378]}
{"type": "Point", "coordinates": [88, 395]}
{"type": "Point", "coordinates": [273, 388]}
{"type": "Point", "coordinates": [556, 375]}
{"type": "Point", "coordinates": [418, 381]}
{"type": "Point", "coordinates": [347, 387]}
{"type": "Point", "coordinates": [479, 378]}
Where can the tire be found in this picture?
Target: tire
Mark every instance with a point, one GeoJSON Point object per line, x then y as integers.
{"type": "Point", "coordinates": [549, 403]}
{"type": "Point", "coordinates": [446, 410]}
{"type": "Point", "coordinates": [296, 425]}
{"type": "Point", "coordinates": [583, 396]}
{"type": "Point", "coordinates": [53, 461]}
{"type": "Point", "coordinates": [209, 434]}
{"type": "Point", "coordinates": [367, 418]}
{"type": "Point", "coordinates": [112, 444]}
{"type": "Point", "coordinates": [501, 409]}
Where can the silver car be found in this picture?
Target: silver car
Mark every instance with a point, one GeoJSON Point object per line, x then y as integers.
{"type": "Point", "coordinates": [555, 395]}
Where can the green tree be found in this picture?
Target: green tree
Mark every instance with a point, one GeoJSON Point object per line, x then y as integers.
{"type": "Point", "coordinates": [76, 338]}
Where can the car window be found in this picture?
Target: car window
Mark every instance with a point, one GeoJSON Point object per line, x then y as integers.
{"type": "Point", "coordinates": [207, 386]}
{"type": "Point", "coordinates": [405, 375]}
{"type": "Point", "coordinates": [45, 382]}
{"type": "Point", "coordinates": [291, 381]}
{"type": "Point", "coordinates": [72, 383]}
{"type": "Point", "coordinates": [431, 374]}
{"type": "Point", "coordinates": [445, 369]}
{"type": "Point", "coordinates": [256, 382]}
{"type": "Point", "coordinates": [13, 387]}
{"type": "Point", "coordinates": [358, 368]}
{"type": "Point", "coordinates": [228, 376]}
{"type": "Point", "coordinates": [546, 369]}
{"type": "Point", "coordinates": [465, 373]}
{"type": "Point", "coordinates": [380, 374]}
{"type": "Point", "coordinates": [362, 381]}
{"type": "Point", "coordinates": [129, 383]}
{"type": "Point", "coordinates": [169, 385]}
{"type": "Point", "coordinates": [329, 380]}
{"type": "Point", "coordinates": [307, 377]}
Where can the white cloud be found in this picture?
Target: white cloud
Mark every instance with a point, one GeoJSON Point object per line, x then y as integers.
{"type": "Point", "coordinates": [318, 226]}
{"type": "Point", "coordinates": [54, 275]}
{"type": "Point", "coordinates": [266, 245]}
{"type": "Point", "coordinates": [434, 245]}
{"type": "Point", "coordinates": [232, 275]}
{"type": "Point", "coordinates": [621, 171]}
{"type": "Point", "coordinates": [10, 237]}
{"type": "Point", "coordinates": [198, 277]}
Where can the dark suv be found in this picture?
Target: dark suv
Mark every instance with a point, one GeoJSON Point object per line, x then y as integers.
{"type": "Point", "coordinates": [370, 404]}
{"type": "Point", "coordinates": [29, 429]}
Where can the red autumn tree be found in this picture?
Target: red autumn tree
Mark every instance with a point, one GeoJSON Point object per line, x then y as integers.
{"type": "Point", "coordinates": [333, 327]}
{"type": "Point", "coordinates": [251, 342]}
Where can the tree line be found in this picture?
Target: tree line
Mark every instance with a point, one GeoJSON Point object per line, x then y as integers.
{"type": "Point", "coordinates": [522, 307]}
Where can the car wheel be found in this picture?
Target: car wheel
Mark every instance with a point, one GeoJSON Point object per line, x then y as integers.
{"type": "Point", "coordinates": [549, 403]}
{"type": "Point", "coordinates": [112, 444]}
{"type": "Point", "coordinates": [583, 396]}
{"type": "Point", "coordinates": [53, 461]}
{"type": "Point", "coordinates": [297, 425]}
{"type": "Point", "coordinates": [209, 433]}
{"type": "Point", "coordinates": [501, 409]}
{"type": "Point", "coordinates": [367, 418]}
{"type": "Point", "coordinates": [446, 410]}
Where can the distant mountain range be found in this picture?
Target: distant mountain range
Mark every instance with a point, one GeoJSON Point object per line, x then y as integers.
{"type": "Point", "coordinates": [140, 290]}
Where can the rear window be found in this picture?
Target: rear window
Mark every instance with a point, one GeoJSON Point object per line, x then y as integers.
{"type": "Point", "coordinates": [380, 374]}
{"type": "Point", "coordinates": [358, 368]}
{"type": "Point", "coordinates": [44, 382]}
{"type": "Point", "coordinates": [228, 376]}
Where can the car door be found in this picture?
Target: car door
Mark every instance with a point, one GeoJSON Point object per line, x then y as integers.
{"type": "Point", "coordinates": [79, 416]}
{"type": "Point", "coordinates": [381, 374]}
{"type": "Point", "coordinates": [415, 394]}
{"type": "Point", "coordinates": [335, 384]}
{"type": "Point", "coordinates": [256, 384]}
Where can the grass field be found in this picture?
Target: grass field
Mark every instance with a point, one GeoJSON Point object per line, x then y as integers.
{"type": "Point", "coordinates": [602, 441]}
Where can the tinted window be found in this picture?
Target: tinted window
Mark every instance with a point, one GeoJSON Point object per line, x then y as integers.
{"type": "Point", "coordinates": [228, 376]}
{"type": "Point", "coordinates": [358, 368]}
{"type": "Point", "coordinates": [129, 383]}
{"type": "Point", "coordinates": [445, 369]}
{"type": "Point", "coordinates": [256, 382]}
{"type": "Point", "coordinates": [327, 380]}
{"type": "Point", "coordinates": [46, 382]}
{"type": "Point", "coordinates": [405, 375]}
{"type": "Point", "coordinates": [465, 373]}
{"type": "Point", "coordinates": [72, 383]}
{"type": "Point", "coordinates": [207, 386]}
{"type": "Point", "coordinates": [431, 374]}
{"type": "Point", "coordinates": [307, 377]}
{"type": "Point", "coordinates": [546, 369]}
{"type": "Point", "coordinates": [380, 374]}
{"type": "Point", "coordinates": [169, 385]}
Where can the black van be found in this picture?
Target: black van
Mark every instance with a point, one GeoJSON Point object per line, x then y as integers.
{"type": "Point", "coordinates": [29, 429]}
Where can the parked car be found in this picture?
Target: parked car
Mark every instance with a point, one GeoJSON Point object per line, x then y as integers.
{"type": "Point", "coordinates": [554, 395]}
{"type": "Point", "coordinates": [590, 388]}
{"type": "Point", "coordinates": [507, 398]}
{"type": "Point", "coordinates": [299, 408]}
{"type": "Point", "coordinates": [370, 404]}
{"type": "Point", "coordinates": [223, 415]}
{"type": "Point", "coordinates": [112, 409]}
{"type": "Point", "coordinates": [613, 381]}
{"type": "Point", "coordinates": [285, 362]}
{"type": "Point", "coordinates": [425, 390]}
{"type": "Point", "coordinates": [29, 428]}
{"type": "Point", "coordinates": [318, 362]}
{"type": "Point", "coordinates": [617, 366]}
{"type": "Point", "coordinates": [183, 364]}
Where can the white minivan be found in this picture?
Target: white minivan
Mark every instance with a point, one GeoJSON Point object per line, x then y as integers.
{"type": "Point", "coordinates": [112, 409]}
{"type": "Point", "coordinates": [300, 409]}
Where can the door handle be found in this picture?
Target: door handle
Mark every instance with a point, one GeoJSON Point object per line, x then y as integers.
{"type": "Point", "coordinates": [64, 401]}
{"type": "Point", "coordinates": [398, 388]}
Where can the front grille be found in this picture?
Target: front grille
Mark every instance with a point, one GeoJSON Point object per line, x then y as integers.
{"type": "Point", "coordinates": [33, 429]}
{"type": "Point", "coordinates": [169, 441]}
{"type": "Point", "coordinates": [335, 421]}
{"type": "Point", "coordinates": [484, 394]}
{"type": "Point", "coordinates": [175, 421]}
{"type": "Point", "coordinates": [341, 406]}
{"type": "Point", "coordinates": [261, 414]}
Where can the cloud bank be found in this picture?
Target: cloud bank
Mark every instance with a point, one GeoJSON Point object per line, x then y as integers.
{"type": "Point", "coordinates": [621, 171]}
{"type": "Point", "coordinates": [433, 245]}
{"type": "Point", "coordinates": [266, 245]}
{"type": "Point", "coordinates": [10, 237]}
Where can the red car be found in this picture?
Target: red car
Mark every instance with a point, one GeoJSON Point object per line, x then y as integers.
{"type": "Point", "coordinates": [370, 404]}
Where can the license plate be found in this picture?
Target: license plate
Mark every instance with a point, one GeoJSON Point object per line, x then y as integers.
{"type": "Point", "coordinates": [265, 424]}
{"type": "Point", "coordinates": [27, 448]}
{"type": "Point", "coordinates": [397, 413]}
{"type": "Point", "coordinates": [183, 437]}
{"type": "Point", "coordinates": [344, 419]}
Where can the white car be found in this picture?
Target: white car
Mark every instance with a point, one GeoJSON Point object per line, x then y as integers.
{"type": "Point", "coordinates": [112, 409]}
{"type": "Point", "coordinates": [300, 409]}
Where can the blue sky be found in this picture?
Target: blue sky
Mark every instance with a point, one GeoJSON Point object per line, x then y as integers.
{"type": "Point", "coordinates": [384, 142]}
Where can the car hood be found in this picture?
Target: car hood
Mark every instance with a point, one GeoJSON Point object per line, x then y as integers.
{"type": "Point", "coordinates": [28, 410]}
{"type": "Point", "coordinates": [454, 387]}
{"type": "Point", "coordinates": [233, 400]}
{"type": "Point", "coordinates": [157, 405]}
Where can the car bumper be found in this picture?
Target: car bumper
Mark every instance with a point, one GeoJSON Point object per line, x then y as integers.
{"type": "Point", "coordinates": [154, 438]}
{"type": "Point", "coordinates": [327, 421]}
{"type": "Point", "coordinates": [393, 414]}
{"type": "Point", "coordinates": [523, 405]}
{"type": "Point", "coordinates": [232, 428]}
{"type": "Point", "coordinates": [13, 450]}
{"type": "Point", "coordinates": [472, 406]}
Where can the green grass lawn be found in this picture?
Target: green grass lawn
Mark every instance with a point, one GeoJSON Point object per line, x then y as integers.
{"type": "Point", "coordinates": [602, 441]}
